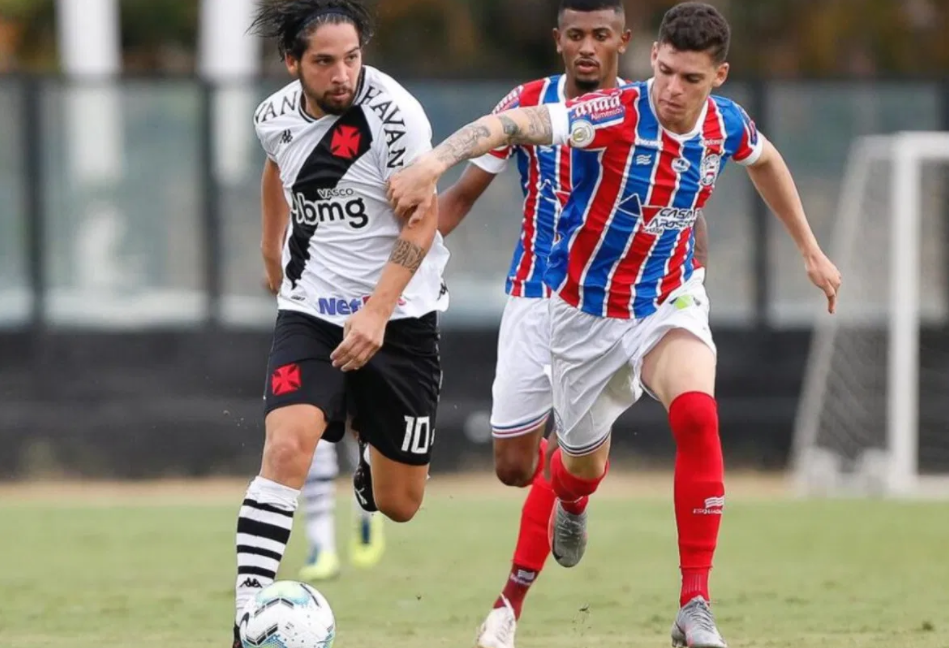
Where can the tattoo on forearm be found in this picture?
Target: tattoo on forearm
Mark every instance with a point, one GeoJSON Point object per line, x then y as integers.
{"type": "Point", "coordinates": [539, 129]}
{"type": "Point", "coordinates": [463, 144]}
{"type": "Point", "coordinates": [476, 139]}
{"type": "Point", "coordinates": [407, 254]}
{"type": "Point", "coordinates": [509, 126]}
{"type": "Point", "coordinates": [539, 125]}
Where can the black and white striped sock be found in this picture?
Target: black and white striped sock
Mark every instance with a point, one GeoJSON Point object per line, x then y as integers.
{"type": "Point", "coordinates": [263, 530]}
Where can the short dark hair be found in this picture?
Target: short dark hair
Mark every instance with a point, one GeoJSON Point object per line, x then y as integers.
{"type": "Point", "coordinates": [291, 22]}
{"type": "Point", "coordinates": [590, 5]}
{"type": "Point", "coordinates": [696, 27]}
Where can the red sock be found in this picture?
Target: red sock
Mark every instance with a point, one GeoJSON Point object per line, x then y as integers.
{"type": "Point", "coordinates": [699, 488]}
{"type": "Point", "coordinates": [573, 492]}
{"type": "Point", "coordinates": [533, 547]}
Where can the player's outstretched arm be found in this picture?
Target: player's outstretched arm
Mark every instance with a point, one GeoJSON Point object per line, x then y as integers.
{"type": "Point", "coordinates": [363, 333]}
{"type": "Point", "coordinates": [773, 180]}
{"type": "Point", "coordinates": [275, 215]}
{"type": "Point", "coordinates": [415, 186]}
{"type": "Point", "coordinates": [455, 202]}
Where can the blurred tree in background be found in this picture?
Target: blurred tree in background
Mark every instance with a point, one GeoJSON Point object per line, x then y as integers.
{"type": "Point", "coordinates": [511, 38]}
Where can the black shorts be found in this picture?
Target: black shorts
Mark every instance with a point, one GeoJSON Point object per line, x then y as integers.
{"type": "Point", "coordinates": [392, 400]}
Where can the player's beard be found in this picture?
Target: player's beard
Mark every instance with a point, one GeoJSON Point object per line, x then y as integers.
{"type": "Point", "coordinates": [588, 85]}
{"type": "Point", "coordinates": [326, 102]}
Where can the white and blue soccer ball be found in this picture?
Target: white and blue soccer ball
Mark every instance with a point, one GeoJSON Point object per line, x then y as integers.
{"type": "Point", "coordinates": [287, 614]}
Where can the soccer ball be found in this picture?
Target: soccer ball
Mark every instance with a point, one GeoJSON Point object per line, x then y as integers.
{"type": "Point", "coordinates": [287, 614]}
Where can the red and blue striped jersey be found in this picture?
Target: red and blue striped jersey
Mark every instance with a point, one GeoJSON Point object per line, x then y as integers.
{"type": "Point", "coordinates": [625, 235]}
{"type": "Point", "coordinates": [545, 182]}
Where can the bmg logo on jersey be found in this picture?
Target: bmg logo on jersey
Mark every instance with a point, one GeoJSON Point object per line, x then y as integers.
{"type": "Point", "coordinates": [332, 205]}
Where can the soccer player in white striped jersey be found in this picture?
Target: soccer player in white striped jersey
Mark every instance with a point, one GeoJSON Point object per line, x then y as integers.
{"type": "Point", "coordinates": [367, 538]}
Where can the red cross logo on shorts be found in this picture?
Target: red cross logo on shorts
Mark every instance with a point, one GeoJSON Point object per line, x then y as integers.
{"type": "Point", "coordinates": [345, 142]}
{"type": "Point", "coordinates": [285, 380]}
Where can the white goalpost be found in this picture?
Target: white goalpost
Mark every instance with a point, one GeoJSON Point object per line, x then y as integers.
{"type": "Point", "coordinates": [871, 369]}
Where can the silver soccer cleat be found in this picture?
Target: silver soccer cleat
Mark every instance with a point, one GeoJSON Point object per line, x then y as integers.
{"type": "Point", "coordinates": [568, 535]}
{"type": "Point", "coordinates": [694, 627]}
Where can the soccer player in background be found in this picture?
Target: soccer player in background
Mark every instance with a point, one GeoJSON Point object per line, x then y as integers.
{"type": "Point", "coordinates": [358, 289]}
{"type": "Point", "coordinates": [366, 541]}
{"type": "Point", "coordinates": [590, 35]}
{"type": "Point", "coordinates": [627, 313]}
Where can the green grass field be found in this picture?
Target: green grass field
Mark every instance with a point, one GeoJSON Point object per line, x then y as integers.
{"type": "Point", "coordinates": [153, 567]}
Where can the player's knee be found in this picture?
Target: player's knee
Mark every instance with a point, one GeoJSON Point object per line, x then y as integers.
{"type": "Point", "coordinates": [288, 453]}
{"type": "Point", "coordinates": [590, 466]}
{"type": "Point", "coordinates": [694, 419]}
{"type": "Point", "coordinates": [400, 506]}
{"type": "Point", "coordinates": [514, 470]}
{"type": "Point", "coordinates": [515, 464]}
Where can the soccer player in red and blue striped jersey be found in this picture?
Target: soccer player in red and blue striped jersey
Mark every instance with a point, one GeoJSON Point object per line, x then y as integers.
{"type": "Point", "coordinates": [590, 35]}
{"type": "Point", "coordinates": [627, 314]}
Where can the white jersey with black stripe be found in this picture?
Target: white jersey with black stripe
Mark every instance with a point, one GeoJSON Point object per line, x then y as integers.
{"type": "Point", "coordinates": [334, 172]}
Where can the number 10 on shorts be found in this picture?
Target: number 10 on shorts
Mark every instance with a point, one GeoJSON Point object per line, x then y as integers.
{"type": "Point", "coordinates": [418, 435]}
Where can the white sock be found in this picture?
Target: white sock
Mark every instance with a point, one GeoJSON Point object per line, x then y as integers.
{"type": "Point", "coordinates": [319, 499]}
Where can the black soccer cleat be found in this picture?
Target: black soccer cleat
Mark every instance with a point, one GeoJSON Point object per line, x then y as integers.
{"type": "Point", "coordinates": [362, 481]}
{"type": "Point", "coordinates": [237, 638]}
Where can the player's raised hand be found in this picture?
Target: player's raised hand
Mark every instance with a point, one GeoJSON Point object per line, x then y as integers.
{"type": "Point", "coordinates": [412, 190]}
{"type": "Point", "coordinates": [824, 274]}
{"type": "Point", "coordinates": [363, 334]}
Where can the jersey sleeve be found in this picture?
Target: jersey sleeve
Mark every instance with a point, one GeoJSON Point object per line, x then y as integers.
{"type": "Point", "coordinates": [744, 143]}
{"type": "Point", "coordinates": [496, 161]}
{"type": "Point", "coordinates": [592, 121]}
{"type": "Point", "coordinates": [400, 152]}
{"type": "Point", "coordinates": [267, 137]}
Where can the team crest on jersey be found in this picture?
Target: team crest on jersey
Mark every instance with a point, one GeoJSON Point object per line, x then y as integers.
{"type": "Point", "coordinates": [582, 133]}
{"type": "Point", "coordinates": [346, 142]}
{"type": "Point", "coordinates": [711, 165]}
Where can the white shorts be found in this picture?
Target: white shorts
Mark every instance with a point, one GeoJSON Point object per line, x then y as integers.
{"type": "Point", "coordinates": [521, 393]}
{"type": "Point", "coordinates": [597, 361]}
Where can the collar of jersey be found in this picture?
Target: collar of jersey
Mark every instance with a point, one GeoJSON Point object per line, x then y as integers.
{"type": "Point", "coordinates": [562, 84]}
{"type": "Point", "coordinates": [684, 137]}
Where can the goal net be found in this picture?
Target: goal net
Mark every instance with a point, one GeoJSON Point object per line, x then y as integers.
{"type": "Point", "coordinates": [874, 412]}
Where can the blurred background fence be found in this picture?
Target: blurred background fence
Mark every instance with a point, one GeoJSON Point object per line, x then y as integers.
{"type": "Point", "coordinates": [133, 327]}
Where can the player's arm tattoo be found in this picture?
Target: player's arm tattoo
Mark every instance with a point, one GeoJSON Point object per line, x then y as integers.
{"type": "Point", "coordinates": [526, 126]}
{"type": "Point", "coordinates": [407, 254]}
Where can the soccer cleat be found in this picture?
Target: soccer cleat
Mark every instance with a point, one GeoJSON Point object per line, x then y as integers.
{"type": "Point", "coordinates": [368, 543]}
{"type": "Point", "coordinates": [498, 628]}
{"type": "Point", "coordinates": [694, 627]}
{"type": "Point", "coordinates": [237, 638]}
{"type": "Point", "coordinates": [568, 535]}
{"type": "Point", "coordinates": [320, 566]}
{"type": "Point", "coordinates": [362, 481]}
